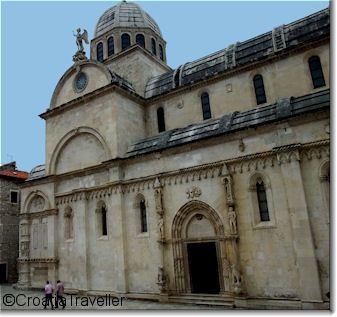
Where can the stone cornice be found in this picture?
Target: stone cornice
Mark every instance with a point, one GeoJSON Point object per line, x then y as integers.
{"type": "Point", "coordinates": [91, 95]}
{"type": "Point", "coordinates": [39, 214]}
{"type": "Point", "coordinates": [247, 163]}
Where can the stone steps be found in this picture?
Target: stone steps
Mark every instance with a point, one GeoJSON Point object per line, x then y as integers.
{"type": "Point", "coordinates": [203, 299]}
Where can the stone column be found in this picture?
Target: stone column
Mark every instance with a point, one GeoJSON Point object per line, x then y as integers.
{"type": "Point", "coordinates": [309, 281]}
{"type": "Point", "coordinates": [232, 263]}
{"type": "Point", "coordinates": [162, 275]}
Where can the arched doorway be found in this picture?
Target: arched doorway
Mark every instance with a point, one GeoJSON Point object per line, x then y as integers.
{"type": "Point", "coordinates": [199, 250]}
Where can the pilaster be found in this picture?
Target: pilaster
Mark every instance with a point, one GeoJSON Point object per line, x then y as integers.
{"type": "Point", "coordinates": [309, 282]}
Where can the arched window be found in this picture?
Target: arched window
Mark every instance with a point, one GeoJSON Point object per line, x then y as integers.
{"type": "Point", "coordinates": [262, 200]}
{"type": "Point", "coordinates": [68, 223]}
{"type": "Point", "coordinates": [161, 52]}
{"type": "Point", "coordinates": [101, 217]}
{"type": "Point", "coordinates": [99, 51]}
{"type": "Point", "coordinates": [140, 40]}
{"type": "Point", "coordinates": [153, 46]}
{"type": "Point", "coordinates": [161, 119]}
{"type": "Point", "coordinates": [104, 224]}
{"type": "Point", "coordinates": [259, 89]}
{"type": "Point", "coordinates": [206, 108]}
{"type": "Point", "coordinates": [143, 220]}
{"type": "Point", "coordinates": [262, 205]}
{"type": "Point", "coordinates": [316, 72]}
{"type": "Point", "coordinates": [111, 46]}
{"type": "Point", "coordinates": [126, 42]}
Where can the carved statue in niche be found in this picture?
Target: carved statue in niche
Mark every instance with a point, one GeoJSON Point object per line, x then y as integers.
{"type": "Point", "coordinates": [236, 280]}
{"type": "Point", "coordinates": [228, 189]}
{"type": "Point", "coordinates": [162, 279]}
{"type": "Point", "coordinates": [25, 249]}
{"type": "Point", "coordinates": [232, 220]}
{"type": "Point", "coordinates": [226, 272]}
{"type": "Point", "coordinates": [158, 200]}
{"type": "Point", "coordinates": [161, 229]}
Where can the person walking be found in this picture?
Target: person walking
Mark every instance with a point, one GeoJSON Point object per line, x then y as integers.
{"type": "Point", "coordinates": [59, 295]}
{"type": "Point", "coordinates": [48, 290]}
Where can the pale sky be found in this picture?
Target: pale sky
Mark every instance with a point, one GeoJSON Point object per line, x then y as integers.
{"type": "Point", "coordinates": [37, 46]}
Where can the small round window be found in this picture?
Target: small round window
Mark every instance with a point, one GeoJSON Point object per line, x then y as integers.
{"type": "Point", "coordinates": [81, 81]}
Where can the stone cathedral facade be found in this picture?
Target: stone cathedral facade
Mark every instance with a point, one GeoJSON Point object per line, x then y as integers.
{"type": "Point", "coordinates": [208, 183]}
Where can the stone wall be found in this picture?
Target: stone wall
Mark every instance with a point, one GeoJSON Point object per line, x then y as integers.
{"type": "Point", "coordinates": [285, 259]}
{"type": "Point", "coordinates": [9, 229]}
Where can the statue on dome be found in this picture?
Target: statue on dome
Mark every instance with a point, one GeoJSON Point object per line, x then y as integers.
{"type": "Point", "coordinates": [80, 54]}
{"type": "Point", "coordinates": [80, 38]}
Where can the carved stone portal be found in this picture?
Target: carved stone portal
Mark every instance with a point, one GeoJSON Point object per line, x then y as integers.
{"type": "Point", "coordinates": [191, 210]}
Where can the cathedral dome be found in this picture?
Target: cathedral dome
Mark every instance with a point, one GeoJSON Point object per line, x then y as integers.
{"type": "Point", "coordinates": [125, 15]}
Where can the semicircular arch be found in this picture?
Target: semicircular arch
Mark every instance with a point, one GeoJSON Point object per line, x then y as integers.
{"type": "Point", "coordinates": [75, 69]}
{"type": "Point", "coordinates": [70, 136]}
{"type": "Point", "coordinates": [33, 195]}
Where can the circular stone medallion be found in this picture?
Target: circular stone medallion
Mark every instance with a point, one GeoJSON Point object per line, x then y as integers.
{"type": "Point", "coordinates": [80, 82]}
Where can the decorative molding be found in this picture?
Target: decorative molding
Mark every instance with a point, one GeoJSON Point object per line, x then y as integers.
{"type": "Point", "coordinates": [193, 192]}
{"type": "Point", "coordinates": [287, 157]}
{"type": "Point", "coordinates": [319, 152]}
{"type": "Point", "coordinates": [38, 260]}
{"type": "Point", "coordinates": [257, 163]}
{"type": "Point", "coordinates": [36, 197]}
{"type": "Point", "coordinates": [39, 214]}
{"type": "Point", "coordinates": [243, 164]}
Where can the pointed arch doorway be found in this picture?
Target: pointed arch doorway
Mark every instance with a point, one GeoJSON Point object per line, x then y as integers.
{"type": "Point", "coordinates": [199, 250]}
